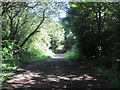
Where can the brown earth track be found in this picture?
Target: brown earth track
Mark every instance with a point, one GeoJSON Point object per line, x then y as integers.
{"type": "Point", "coordinates": [54, 73]}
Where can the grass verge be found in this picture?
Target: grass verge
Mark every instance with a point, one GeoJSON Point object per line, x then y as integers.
{"type": "Point", "coordinates": [7, 69]}
{"type": "Point", "coordinates": [71, 55]}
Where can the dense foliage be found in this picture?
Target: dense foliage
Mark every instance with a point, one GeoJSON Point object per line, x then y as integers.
{"type": "Point", "coordinates": [96, 27]}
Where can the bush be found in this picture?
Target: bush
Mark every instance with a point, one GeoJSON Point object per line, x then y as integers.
{"type": "Point", "coordinates": [35, 55]}
{"type": "Point", "coordinates": [71, 55]}
{"type": "Point", "coordinates": [6, 55]}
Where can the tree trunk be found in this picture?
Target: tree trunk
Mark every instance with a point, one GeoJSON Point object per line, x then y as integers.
{"type": "Point", "coordinates": [99, 28]}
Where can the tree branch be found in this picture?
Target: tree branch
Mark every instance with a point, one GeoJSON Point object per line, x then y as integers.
{"type": "Point", "coordinates": [34, 32]}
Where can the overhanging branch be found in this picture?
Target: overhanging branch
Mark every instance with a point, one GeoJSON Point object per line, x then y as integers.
{"type": "Point", "coordinates": [35, 31]}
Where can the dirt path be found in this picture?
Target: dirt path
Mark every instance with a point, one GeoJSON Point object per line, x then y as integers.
{"type": "Point", "coordinates": [58, 72]}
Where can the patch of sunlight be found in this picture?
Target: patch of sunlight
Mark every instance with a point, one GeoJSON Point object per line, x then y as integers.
{"type": "Point", "coordinates": [37, 45]}
{"type": "Point", "coordinates": [5, 66]}
{"type": "Point", "coordinates": [49, 53]}
{"type": "Point", "coordinates": [55, 19]}
{"type": "Point", "coordinates": [63, 77]}
{"type": "Point", "coordinates": [64, 86]}
{"type": "Point", "coordinates": [74, 5]}
{"type": "Point", "coordinates": [87, 77]}
{"type": "Point", "coordinates": [4, 74]}
{"type": "Point", "coordinates": [24, 78]}
{"type": "Point", "coordinates": [60, 47]}
{"type": "Point", "coordinates": [53, 79]}
{"type": "Point", "coordinates": [77, 78]}
{"type": "Point", "coordinates": [59, 56]}
{"type": "Point", "coordinates": [57, 78]}
{"type": "Point", "coordinates": [62, 13]}
{"type": "Point", "coordinates": [89, 85]}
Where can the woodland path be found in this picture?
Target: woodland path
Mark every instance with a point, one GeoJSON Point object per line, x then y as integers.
{"type": "Point", "coordinates": [57, 72]}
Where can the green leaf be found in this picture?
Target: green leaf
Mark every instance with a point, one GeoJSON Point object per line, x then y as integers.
{"type": "Point", "coordinates": [74, 5]}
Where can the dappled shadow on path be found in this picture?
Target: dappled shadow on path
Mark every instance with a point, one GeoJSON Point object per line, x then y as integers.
{"type": "Point", "coordinates": [54, 73]}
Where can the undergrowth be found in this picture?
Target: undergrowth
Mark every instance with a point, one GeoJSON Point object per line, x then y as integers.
{"type": "Point", "coordinates": [111, 74]}
{"type": "Point", "coordinates": [13, 63]}
{"type": "Point", "coordinates": [71, 55]}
